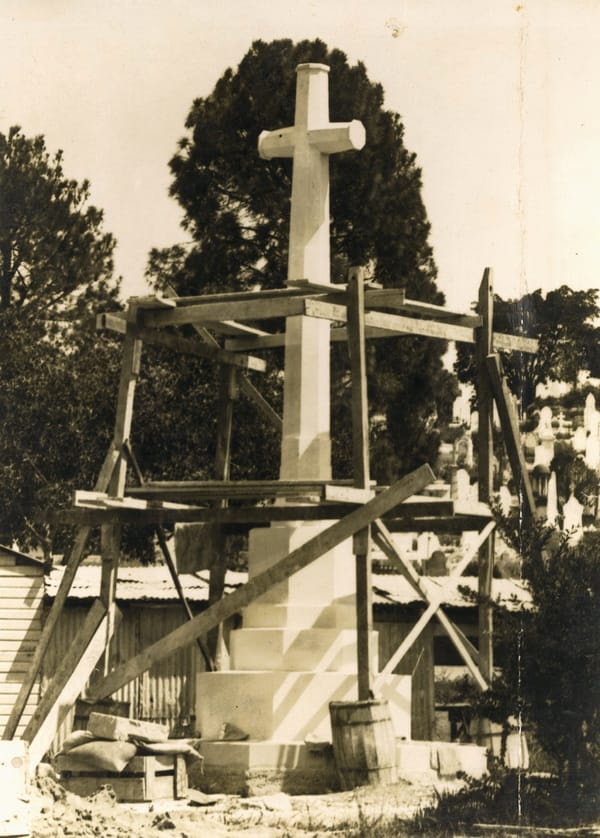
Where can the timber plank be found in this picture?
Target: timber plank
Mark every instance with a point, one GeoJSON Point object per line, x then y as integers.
{"type": "Point", "coordinates": [251, 392]}
{"type": "Point", "coordinates": [232, 327]}
{"type": "Point", "coordinates": [485, 459]}
{"type": "Point", "coordinates": [376, 330]}
{"type": "Point", "coordinates": [191, 346]}
{"type": "Point", "coordinates": [11, 688]}
{"type": "Point", "coordinates": [112, 321]}
{"type": "Point", "coordinates": [360, 468]}
{"type": "Point", "coordinates": [20, 570]}
{"type": "Point", "coordinates": [282, 570]}
{"type": "Point", "coordinates": [240, 517]}
{"type": "Point", "coordinates": [17, 602]}
{"type": "Point", "coordinates": [257, 308]}
{"type": "Point", "coordinates": [392, 323]}
{"type": "Point", "coordinates": [68, 681]}
{"type": "Point", "coordinates": [211, 490]}
{"type": "Point", "coordinates": [18, 662]}
{"type": "Point", "coordinates": [24, 634]}
{"type": "Point", "coordinates": [515, 343]}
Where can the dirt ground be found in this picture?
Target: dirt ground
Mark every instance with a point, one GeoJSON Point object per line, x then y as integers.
{"type": "Point", "coordinates": [57, 813]}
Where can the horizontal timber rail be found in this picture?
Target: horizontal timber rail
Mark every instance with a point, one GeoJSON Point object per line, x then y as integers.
{"type": "Point", "coordinates": [382, 324]}
{"type": "Point", "coordinates": [403, 518]}
{"type": "Point", "coordinates": [195, 491]}
{"type": "Point", "coordinates": [222, 311]}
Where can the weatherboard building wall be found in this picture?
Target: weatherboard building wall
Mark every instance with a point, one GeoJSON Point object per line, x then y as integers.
{"type": "Point", "coordinates": [21, 607]}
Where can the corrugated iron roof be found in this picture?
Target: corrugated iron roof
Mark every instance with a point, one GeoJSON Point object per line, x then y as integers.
{"type": "Point", "coordinates": [154, 583]}
{"type": "Point", "coordinates": [393, 589]}
{"type": "Point", "coordinates": [140, 583]}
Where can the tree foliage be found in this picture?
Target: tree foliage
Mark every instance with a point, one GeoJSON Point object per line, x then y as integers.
{"type": "Point", "coordinates": [57, 378]}
{"type": "Point", "coordinates": [236, 212]}
{"type": "Point", "coordinates": [55, 259]}
{"type": "Point", "coordinates": [564, 321]}
{"type": "Point", "coordinates": [551, 654]}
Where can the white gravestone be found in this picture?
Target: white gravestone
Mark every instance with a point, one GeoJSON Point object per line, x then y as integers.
{"type": "Point", "coordinates": [589, 411]}
{"type": "Point", "coordinates": [463, 485]}
{"type": "Point", "coordinates": [543, 455]}
{"type": "Point", "coordinates": [592, 452]}
{"type": "Point", "coordinates": [545, 424]}
{"type": "Point", "coordinates": [552, 501]}
{"type": "Point", "coordinates": [579, 440]}
{"type": "Point", "coordinates": [573, 515]}
{"type": "Point", "coordinates": [504, 499]}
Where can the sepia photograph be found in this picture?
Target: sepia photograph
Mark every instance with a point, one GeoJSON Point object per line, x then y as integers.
{"type": "Point", "coordinates": [299, 418]}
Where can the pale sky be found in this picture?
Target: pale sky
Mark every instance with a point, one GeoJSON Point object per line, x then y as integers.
{"type": "Point", "coordinates": [500, 102]}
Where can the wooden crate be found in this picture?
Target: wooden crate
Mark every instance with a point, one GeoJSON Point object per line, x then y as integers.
{"type": "Point", "coordinates": [157, 777]}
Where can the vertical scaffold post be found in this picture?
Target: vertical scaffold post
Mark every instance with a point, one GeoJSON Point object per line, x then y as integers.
{"type": "Point", "coordinates": [485, 451]}
{"type": "Point", "coordinates": [217, 541]}
{"type": "Point", "coordinates": [360, 464]}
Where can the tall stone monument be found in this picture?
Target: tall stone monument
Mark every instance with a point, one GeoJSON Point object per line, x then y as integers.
{"type": "Point", "coordinates": [296, 651]}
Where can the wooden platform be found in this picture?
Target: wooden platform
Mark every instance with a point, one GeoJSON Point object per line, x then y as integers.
{"type": "Point", "coordinates": [146, 778]}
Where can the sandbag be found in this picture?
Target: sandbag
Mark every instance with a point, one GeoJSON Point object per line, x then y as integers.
{"type": "Point", "coordinates": [101, 755]}
{"type": "Point", "coordinates": [78, 737]}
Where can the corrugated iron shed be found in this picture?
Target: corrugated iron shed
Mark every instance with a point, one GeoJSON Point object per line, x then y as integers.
{"type": "Point", "coordinates": [154, 584]}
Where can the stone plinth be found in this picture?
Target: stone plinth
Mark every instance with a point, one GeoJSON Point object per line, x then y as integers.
{"type": "Point", "coordinates": [295, 653]}
{"type": "Point", "coordinates": [282, 706]}
{"type": "Point", "coordinates": [255, 768]}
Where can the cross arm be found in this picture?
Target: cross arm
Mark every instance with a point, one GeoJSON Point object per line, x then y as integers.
{"type": "Point", "coordinates": [276, 143]}
{"type": "Point", "coordinates": [338, 136]}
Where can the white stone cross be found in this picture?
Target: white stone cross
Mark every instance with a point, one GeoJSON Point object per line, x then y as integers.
{"type": "Point", "coordinates": [310, 141]}
{"type": "Point", "coordinates": [306, 445]}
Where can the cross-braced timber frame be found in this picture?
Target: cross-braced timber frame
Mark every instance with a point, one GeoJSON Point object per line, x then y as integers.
{"type": "Point", "coordinates": [358, 311]}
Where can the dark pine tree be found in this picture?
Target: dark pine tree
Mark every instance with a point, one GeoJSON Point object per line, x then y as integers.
{"type": "Point", "coordinates": [236, 213]}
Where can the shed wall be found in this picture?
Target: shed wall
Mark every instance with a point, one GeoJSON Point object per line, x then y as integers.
{"type": "Point", "coordinates": [166, 692]}
{"type": "Point", "coordinates": [21, 606]}
{"type": "Point", "coordinates": [417, 662]}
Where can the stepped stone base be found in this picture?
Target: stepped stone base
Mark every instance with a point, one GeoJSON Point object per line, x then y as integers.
{"type": "Point", "coordinates": [287, 706]}
{"type": "Point", "coordinates": [257, 768]}
{"type": "Point", "coordinates": [296, 650]}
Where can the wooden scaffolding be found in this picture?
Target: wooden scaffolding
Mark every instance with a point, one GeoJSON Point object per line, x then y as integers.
{"type": "Point", "coordinates": [368, 513]}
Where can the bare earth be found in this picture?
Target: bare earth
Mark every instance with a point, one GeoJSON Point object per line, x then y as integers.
{"type": "Point", "coordinates": [57, 813]}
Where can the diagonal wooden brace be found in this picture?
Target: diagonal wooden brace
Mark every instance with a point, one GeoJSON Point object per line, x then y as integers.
{"type": "Point", "coordinates": [432, 608]}
{"type": "Point", "coordinates": [279, 572]}
{"type": "Point", "coordinates": [69, 680]}
{"type": "Point", "coordinates": [510, 428]}
{"type": "Point", "coordinates": [246, 386]}
{"type": "Point", "coordinates": [383, 539]}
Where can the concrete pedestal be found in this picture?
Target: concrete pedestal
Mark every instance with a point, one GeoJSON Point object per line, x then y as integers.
{"type": "Point", "coordinates": [294, 655]}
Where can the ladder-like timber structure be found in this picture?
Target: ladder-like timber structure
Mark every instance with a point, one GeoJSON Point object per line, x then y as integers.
{"type": "Point", "coordinates": [225, 333]}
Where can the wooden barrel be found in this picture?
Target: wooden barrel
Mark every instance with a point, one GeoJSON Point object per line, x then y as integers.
{"type": "Point", "coordinates": [364, 744]}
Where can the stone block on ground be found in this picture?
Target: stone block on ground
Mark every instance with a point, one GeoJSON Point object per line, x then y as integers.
{"type": "Point", "coordinates": [104, 726]}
